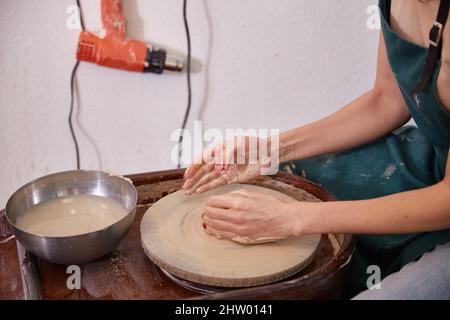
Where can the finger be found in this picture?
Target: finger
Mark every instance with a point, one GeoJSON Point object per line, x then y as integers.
{"type": "Point", "coordinates": [225, 155]}
{"type": "Point", "coordinates": [240, 152]}
{"type": "Point", "coordinates": [192, 169]}
{"type": "Point", "coordinates": [228, 215]}
{"type": "Point", "coordinates": [225, 226]}
{"type": "Point", "coordinates": [189, 172]}
{"type": "Point", "coordinates": [203, 158]}
{"type": "Point", "coordinates": [205, 168]}
{"type": "Point", "coordinates": [211, 151]}
{"type": "Point", "coordinates": [210, 176]}
{"type": "Point", "coordinates": [223, 201]}
{"type": "Point", "coordinates": [266, 162]}
{"type": "Point", "coordinates": [231, 202]}
{"type": "Point", "coordinates": [218, 182]}
{"type": "Point", "coordinates": [220, 225]}
{"type": "Point", "coordinates": [220, 234]}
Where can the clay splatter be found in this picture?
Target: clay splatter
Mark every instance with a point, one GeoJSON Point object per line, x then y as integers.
{"type": "Point", "coordinates": [288, 169]}
{"type": "Point", "coordinates": [303, 173]}
{"type": "Point", "coordinates": [330, 159]}
{"type": "Point", "coordinates": [416, 98]}
{"type": "Point", "coordinates": [389, 171]}
{"type": "Point", "coordinates": [406, 138]}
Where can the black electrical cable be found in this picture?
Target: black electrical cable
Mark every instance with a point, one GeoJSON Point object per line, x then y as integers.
{"type": "Point", "coordinates": [72, 132]}
{"type": "Point", "coordinates": [188, 78]}
{"type": "Point", "coordinates": [81, 15]}
{"type": "Point", "coordinates": [72, 89]}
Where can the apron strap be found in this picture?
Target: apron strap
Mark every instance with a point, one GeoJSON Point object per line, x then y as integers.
{"type": "Point", "coordinates": [434, 49]}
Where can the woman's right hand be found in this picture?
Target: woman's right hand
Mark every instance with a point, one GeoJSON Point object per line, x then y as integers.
{"type": "Point", "coordinates": [237, 160]}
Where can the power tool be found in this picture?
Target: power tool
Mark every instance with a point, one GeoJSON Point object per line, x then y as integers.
{"type": "Point", "coordinates": [116, 51]}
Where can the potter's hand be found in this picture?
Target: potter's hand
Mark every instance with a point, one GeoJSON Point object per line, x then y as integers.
{"type": "Point", "coordinates": [253, 216]}
{"type": "Point", "coordinates": [237, 160]}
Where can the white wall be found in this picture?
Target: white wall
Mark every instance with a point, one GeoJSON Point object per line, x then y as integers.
{"type": "Point", "coordinates": [264, 64]}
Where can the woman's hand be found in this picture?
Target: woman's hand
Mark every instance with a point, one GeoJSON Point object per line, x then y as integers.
{"type": "Point", "coordinates": [237, 160]}
{"type": "Point", "coordinates": [254, 216]}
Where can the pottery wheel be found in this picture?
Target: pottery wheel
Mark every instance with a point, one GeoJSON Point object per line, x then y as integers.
{"type": "Point", "coordinates": [172, 236]}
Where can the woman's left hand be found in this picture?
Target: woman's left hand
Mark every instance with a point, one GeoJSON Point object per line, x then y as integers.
{"type": "Point", "coordinates": [252, 215]}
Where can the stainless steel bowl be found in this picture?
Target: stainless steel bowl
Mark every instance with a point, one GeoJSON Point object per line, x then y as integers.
{"type": "Point", "coordinates": [82, 248]}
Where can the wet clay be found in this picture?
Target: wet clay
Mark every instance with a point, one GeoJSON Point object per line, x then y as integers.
{"type": "Point", "coordinates": [71, 215]}
{"type": "Point", "coordinates": [173, 237]}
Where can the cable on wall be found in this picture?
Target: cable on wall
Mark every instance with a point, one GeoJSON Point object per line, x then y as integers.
{"type": "Point", "coordinates": [72, 92]}
{"type": "Point", "coordinates": [189, 89]}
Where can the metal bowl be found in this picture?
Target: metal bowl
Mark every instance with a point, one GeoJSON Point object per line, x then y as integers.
{"type": "Point", "coordinates": [81, 248]}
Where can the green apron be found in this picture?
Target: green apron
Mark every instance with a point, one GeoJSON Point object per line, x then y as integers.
{"type": "Point", "coordinates": [408, 158]}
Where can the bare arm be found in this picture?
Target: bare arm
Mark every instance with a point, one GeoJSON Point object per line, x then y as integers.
{"type": "Point", "coordinates": [258, 215]}
{"type": "Point", "coordinates": [419, 210]}
{"type": "Point", "coordinates": [372, 115]}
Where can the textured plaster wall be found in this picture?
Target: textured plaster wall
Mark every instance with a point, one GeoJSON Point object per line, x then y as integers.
{"type": "Point", "coordinates": [260, 64]}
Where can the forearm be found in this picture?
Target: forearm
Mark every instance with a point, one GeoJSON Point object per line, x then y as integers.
{"type": "Point", "coordinates": [419, 210]}
{"type": "Point", "coordinates": [367, 118]}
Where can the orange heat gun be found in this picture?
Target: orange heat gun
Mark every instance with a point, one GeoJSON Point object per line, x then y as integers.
{"type": "Point", "coordinates": [115, 51]}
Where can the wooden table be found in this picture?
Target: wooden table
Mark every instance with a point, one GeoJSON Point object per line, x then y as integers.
{"type": "Point", "coordinates": [127, 273]}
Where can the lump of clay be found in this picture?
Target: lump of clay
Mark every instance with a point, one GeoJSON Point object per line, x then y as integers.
{"type": "Point", "coordinates": [247, 240]}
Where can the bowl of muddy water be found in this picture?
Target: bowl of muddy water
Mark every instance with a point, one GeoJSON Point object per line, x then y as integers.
{"type": "Point", "coordinates": [72, 217]}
